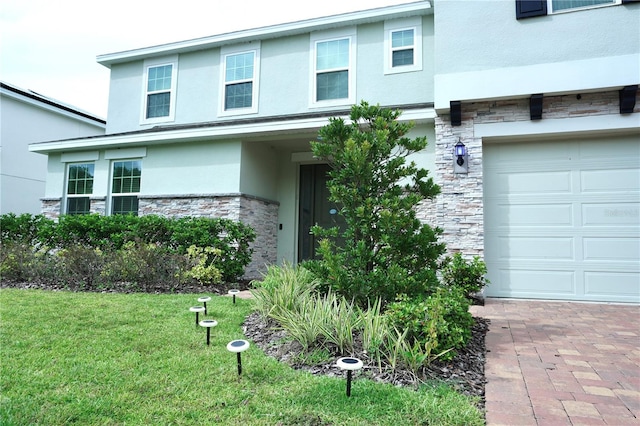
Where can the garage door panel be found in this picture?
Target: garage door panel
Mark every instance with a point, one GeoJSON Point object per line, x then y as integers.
{"type": "Point", "coordinates": [524, 282]}
{"type": "Point", "coordinates": [535, 215]}
{"type": "Point", "coordinates": [530, 248]}
{"type": "Point", "coordinates": [611, 215]}
{"type": "Point", "coordinates": [612, 249]}
{"type": "Point", "coordinates": [557, 182]}
{"type": "Point", "coordinates": [527, 153]}
{"type": "Point", "coordinates": [620, 180]}
{"type": "Point", "coordinates": [623, 285]}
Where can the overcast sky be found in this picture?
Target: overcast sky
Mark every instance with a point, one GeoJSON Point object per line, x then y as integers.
{"type": "Point", "coordinates": [50, 46]}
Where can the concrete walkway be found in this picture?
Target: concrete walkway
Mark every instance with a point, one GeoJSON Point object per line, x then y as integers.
{"type": "Point", "coordinates": [562, 363]}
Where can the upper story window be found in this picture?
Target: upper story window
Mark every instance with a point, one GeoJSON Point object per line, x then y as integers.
{"type": "Point", "coordinates": [531, 8]}
{"type": "Point", "coordinates": [240, 70]}
{"type": "Point", "coordinates": [125, 186]}
{"type": "Point", "coordinates": [403, 45]}
{"type": "Point", "coordinates": [333, 65]}
{"type": "Point", "coordinates": [563, 5]}
{"type": "Point", "coordinates": [79, 188]}
{"type": "Point", "coordinates": [159, 95]}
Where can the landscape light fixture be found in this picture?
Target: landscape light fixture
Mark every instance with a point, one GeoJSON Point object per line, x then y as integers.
{"type": "Point", "coordinates": [197, 310]}
{"type": "Point", "coordinates": [238, 346]}
{"type": "Point", "coordinates": [208, 324]}
{"type": "Point", "coordinates": [233, 292]}
{"type": "Point", "coordinates": [204, 300]}
{"type": "Point", "coordinates": [349, 364]}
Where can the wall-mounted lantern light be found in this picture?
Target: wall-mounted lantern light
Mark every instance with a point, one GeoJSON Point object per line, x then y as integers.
{"type": "Point", "coordinates": [461, 158]}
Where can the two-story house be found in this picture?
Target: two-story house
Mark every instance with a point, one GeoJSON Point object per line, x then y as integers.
{"type": "Point", "coordinates": [220, 126]}
{"type": "Point", "coordinates": [27, 117]}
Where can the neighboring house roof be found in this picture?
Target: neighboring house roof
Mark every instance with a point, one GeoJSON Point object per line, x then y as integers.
{"type": "Point", "coordinates": [422, 7]}
{"type": "Point", "coordinates": [50, 103]}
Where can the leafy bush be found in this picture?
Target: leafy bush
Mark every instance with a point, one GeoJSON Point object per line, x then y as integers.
{"type": "Point", "coordinates": [204, 271]}
{"type": "Point", "coordinates": [110, 234]}
{"type": "Point", "coordinates": [15, 258]}
{"type": "Point", "coordinates": [469, 276]}
{"type": "Point", "coordinates": [81, 267]}
{"type": "Point", "coordinates": [446, 312]}
{"type": "Point", "coordinates": [143, 265]}
{"type": "Point", "coordinates": [232, 239]}
{"type": "Point", "coordinates": [23, 228]}
{"type": "Point", "coordinates": [386, 249]}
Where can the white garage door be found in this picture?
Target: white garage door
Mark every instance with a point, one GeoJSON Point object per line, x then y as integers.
{"type": "Point", "coordinates": [562, 219]}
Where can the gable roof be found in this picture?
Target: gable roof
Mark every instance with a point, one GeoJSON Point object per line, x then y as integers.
{"type": "Point", "coordinates": [422, 7]}
{"type": "Point", "coordinates": [42, 101]}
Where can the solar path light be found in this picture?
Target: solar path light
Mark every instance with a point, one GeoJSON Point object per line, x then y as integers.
{"type": "Point", "coordinates": [238, 346]}
{"type": "Point", "coordinates": [204, 300]}
{"type": "Point", "coordinates": [208, 324]}
{"type": "Point", "coordinates": [233, 292]}
{"type": "Point", "coordinates": [349, 364]}
{"type": "Point", "coordinates": [197, 310]}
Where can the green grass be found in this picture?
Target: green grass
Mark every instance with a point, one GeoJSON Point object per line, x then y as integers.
{"type": "Point", "coordinates": [116, 359]}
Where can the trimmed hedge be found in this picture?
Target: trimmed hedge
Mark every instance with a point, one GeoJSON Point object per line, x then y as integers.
{"type": "Point", "coordinates": [231, 240]}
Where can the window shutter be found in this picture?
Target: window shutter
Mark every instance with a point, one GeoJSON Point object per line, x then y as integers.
{"type": "Point", "coordinates": [530, 8]}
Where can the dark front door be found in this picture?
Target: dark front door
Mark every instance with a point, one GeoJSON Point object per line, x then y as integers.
{"type": "Point", "coordinates": [315, 208]}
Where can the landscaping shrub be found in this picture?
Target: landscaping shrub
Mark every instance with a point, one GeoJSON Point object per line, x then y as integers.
{"type": "Point", "coordinates": [469, 276]}
{"type": "Point", "coordinates": [141, 249]}
{"type": "Point", "coordinates": [232, 239]}
{"type": "Point", "coordinates": [144, 265]}
{"type": "Point", "coordinates": [204, 270]}
{"type": "Point", "coordinates": [385, 249]}
{"type": "Point", "coordinates": [447, 310]}
{"type": "Point", "coordinates": [21, 229]}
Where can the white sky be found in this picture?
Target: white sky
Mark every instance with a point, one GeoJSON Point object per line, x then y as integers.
{"type": "Point", "coordinates": [50, 46]}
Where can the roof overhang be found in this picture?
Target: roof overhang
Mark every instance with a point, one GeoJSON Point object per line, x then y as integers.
{"type": "Point", "coordinates": [268, 129]}
{"type": "Point", "coordinates": [281, 30]}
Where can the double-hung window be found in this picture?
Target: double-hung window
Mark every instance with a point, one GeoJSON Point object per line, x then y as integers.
{"type": "Point", "coordinates": [565, 5]}
{"type": "Point", "coordinates": [333, 69]}
{"type": "Point", "coordinates": [532, 8]}
{"type": "Point", "coordinates": [159, 93]}
{"type": "Point", "coordinates": [403, 45]}
{"type": "Point", "coordinates": [240, 70]}
{"type": "Point", "coordinates": [125, 186]}
{"type": "Point", "coordinates": [79, 188]}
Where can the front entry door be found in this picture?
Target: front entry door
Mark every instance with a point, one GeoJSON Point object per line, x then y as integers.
{"type": "Point", "coordinates": [315, 208]}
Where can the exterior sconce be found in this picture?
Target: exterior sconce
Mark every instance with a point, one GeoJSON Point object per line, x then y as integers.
{"type": "Point", "coordinates": [461, 159]}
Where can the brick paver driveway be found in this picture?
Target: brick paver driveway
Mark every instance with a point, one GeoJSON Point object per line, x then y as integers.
{"type": "Point", "coordinates": [562, 363]}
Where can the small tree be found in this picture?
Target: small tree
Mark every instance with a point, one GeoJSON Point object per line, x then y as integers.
{"type": "Point", "coordinates": [385, 249]}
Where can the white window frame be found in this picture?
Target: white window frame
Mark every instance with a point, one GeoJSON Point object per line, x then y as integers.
{"type": "Point", "coordinates": [391, 27]}
{"type": "Point", "coordinates": [154, 63]}
{"type": "Point", "coordinates": [111, 194]}
{"type": "Point", "coordinates": [574, 9]}
{"type": "Point", "coordinates": [225, 52]}
{"type": "Point", "coordinates": [68, 196]}
{"type": "Point", "coordinates": [320, 37]}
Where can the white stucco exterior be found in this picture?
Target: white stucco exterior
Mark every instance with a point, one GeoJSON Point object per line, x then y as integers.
{"type": "Point", "coordinates": [27, 118]}
{"type": "Point", "coordinates": [481, 56]}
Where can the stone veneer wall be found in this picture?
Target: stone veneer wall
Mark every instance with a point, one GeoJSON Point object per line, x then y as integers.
{"type": "Point", "coordinates": [52, 207]}
{"type": "Point", "coordinates": [260, 214]}
{"type": "Point", "coordinates": [459, 207]}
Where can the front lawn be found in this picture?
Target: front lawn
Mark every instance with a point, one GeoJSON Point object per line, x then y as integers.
{"type": "Point", "coordinates": [92, 358]}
